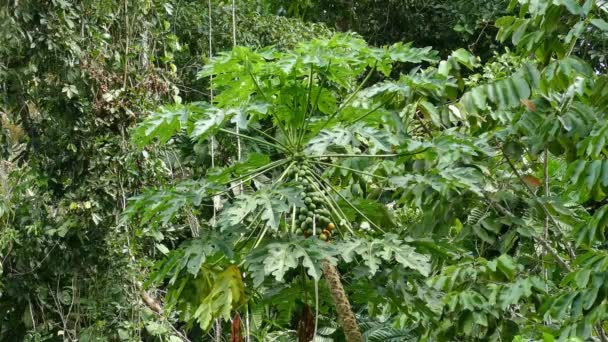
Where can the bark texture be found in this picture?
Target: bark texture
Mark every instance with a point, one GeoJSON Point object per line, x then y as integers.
{"type": "Point", "coordinates": [236, 332]}
{"type": "Point", "coordinates": [346, 317]}
{"type": "Point", "coordinates": [306, 325]}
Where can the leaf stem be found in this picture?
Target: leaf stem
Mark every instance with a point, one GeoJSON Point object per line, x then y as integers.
{"type": "Point", "coordinates": [330, 201]}
{"type": "Point", "coordinates": [350, 169]}
{"type": "Point", "coordinates": [254, 139]}
{"type": "Point", "coordinates": [374, 109]}
{"type": "Point", "coordinates": [352, 205]}
{"type": "Point", "coordinates": [257, 85]}
{"type": "Point", "coordinates": [354, 155]}
{"type": "Point", "coordinates": [302, 133]}
{"type": "Point", "coordinates": [271, 138]}
{"type": "Point", "coordinates": [264, 168]}
{"type": "Point", "coordinates": [303, 125]}
{"type": "Point", "coordinates": [253, 174]}
{"type": "Point", "coordinates": [350, 97]}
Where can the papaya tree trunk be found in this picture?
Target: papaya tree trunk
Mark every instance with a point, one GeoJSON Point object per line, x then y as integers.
{"type": "Point", "coordinates": [346, 317]}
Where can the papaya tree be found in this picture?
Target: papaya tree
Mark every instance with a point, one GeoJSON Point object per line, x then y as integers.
{"type": "Point", "coordinates": [317, 144]}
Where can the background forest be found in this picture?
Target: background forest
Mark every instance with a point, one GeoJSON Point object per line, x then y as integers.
{"type": "Point", "coordinates": [286, 170]}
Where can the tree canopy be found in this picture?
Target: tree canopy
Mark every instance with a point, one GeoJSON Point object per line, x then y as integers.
{"type": "Point", "coordinates": [303, 170]}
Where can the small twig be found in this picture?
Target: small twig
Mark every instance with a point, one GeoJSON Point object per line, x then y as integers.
{"type": "Point", "coordinates": [548, 215]}
{"type": "Point", "coordinates": [217, 200]}
{"type": "Point", "coordinates": [426, 129]}
{"type": "Point", "coordinates": [218, 331]}
{"type": "Point", "coordinates": [540, 240]}
{"type": "Point", "coordinates": [39, 264]}
{"type": "Point", "coordinates": [126, 67]}
{"type": "Point", "coordinates": [546, 184]}
{"type": "Point", "coordinates": [600, 332]}
{"type": "Point", "coordinates": [472, 46]}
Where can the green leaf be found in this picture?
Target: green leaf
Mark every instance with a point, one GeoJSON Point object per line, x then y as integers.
{"type": "Point", "coordinates": [593, 173]}
{"type": "Point", "coordinates": [513, 293]}
{"type": "Point", "coordinates": [161, 124]}
{"type": "Point", "coordinates": [400, 52]}
{"type": "Point", "coordinates": [206, 121]}
{"type": "Point", "coordinates": [227, 293]}
{"type": "Point", "coordinates": [374, 211]}
{"type": "Point", "coordinates": [600, 24]}
{"type": "Point", "coordinates": [593, 229]}
{"type": "Point", "coordinates": [390, 248]}
{"type": "Point", "coordinates": [520, 30]}
{"type": "Point", "coordinates": [593, 145]}
{"type": "Point", "coordinates": [571, 5]}
{"type": "Point", "coordinates": [507, 266]}
{"type": "Point", "coordinates": [505, 93]}
{"type": "Point", "coordinates": [327, 138]}
{"type": "Point", "coordinates": [465, 58]}
{"type": "Point", "coordinates": [276, 259]}
{"type": "Point", "coordinates": [430, 111]}
{"type": "Point", "coordinates": [326, 101]}
{"type": "Point", "coordinates": [163, 205]}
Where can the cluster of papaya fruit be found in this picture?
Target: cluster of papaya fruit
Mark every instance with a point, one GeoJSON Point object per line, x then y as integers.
{"type": "Point", "coordinates": [314, 215]}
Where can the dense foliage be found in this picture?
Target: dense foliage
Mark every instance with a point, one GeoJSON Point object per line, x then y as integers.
{"type": "Point", "coordinates": [304, 183]}
{"type": "Point", "coordinates": [74, 76]}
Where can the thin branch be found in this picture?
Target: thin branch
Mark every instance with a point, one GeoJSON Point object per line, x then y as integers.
{"type": "Point", "coordinates": [548, 215]}
{"type": "Point", "coordinates": [233, 23]}
{"type": "Point", "coordinates": [238, 138]}
{"type": "Point", "coordinates": [545, 209]}
{"type": "Point", "coordinates": [216, 200]}
{"type": "Point", "coordinates": [546, 183]}
{"type": "Point", "coordinates": [472, 46]}
{"type": "Point", "coordinates": [126, 66]}
{"type": "Point", "coordinates": [426, 129]}
{"type": "Point", "coordinates": [599, 329]}
{"type": "Point", "coordinates": [540, 240]}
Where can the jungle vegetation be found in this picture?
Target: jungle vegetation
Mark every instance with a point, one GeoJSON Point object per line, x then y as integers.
{"type": "Point", "coordinates": [286, 170]}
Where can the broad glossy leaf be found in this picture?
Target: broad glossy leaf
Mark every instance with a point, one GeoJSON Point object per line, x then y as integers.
{"type": "Point", "coordinates": [600, 24]}
{"type": "Point", "coordinates": [374, 252]}
{"type": "Point", "coordinates": [276, 259]}
{"type": "Point", "coordinates": [162, 124]}
{"type": "Point", "coordinates": [227, 293]}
